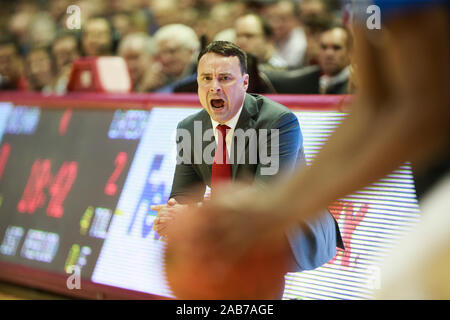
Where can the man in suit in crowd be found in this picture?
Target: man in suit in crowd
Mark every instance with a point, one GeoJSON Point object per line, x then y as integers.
{"type": "Point", "coordinates": [332, 74]}
{"type": "Point", "coordinates": [11, 67]}
{"type": "Point", "coordinates": [243, 125]}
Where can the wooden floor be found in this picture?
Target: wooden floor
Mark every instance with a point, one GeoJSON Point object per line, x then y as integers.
{"type": "Point", "coordinates": [13, 292]}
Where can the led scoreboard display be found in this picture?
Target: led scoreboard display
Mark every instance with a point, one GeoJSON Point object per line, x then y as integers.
{"type": "Point", "coordinates": [62, 172]}
{"type": "Point", "coordinates": [78, 177]}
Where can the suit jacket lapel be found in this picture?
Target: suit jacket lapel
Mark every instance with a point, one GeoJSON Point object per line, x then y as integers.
{"type": "Point", "coordinates": [246, 121]}
{"type": "Point", "coordinates": [207, 125]}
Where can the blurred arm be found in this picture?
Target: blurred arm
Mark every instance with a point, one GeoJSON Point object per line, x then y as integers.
{"type": "Point", "coordinates": [402, 113]}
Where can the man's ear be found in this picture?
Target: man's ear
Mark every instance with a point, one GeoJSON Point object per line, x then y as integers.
{"type": "Point", "coordinates": [245, 82]}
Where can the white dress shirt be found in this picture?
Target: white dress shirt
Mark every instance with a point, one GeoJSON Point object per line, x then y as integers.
{"type": "Point", "coordinates": [232, 124]}
{"type": "Point", "coordinates": [326, 81]}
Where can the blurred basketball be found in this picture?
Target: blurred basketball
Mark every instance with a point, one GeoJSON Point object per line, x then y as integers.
{"type": "Point", "coordinates": [195, 270]}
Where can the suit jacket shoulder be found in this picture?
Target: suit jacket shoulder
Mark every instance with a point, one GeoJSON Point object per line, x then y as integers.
{"type": "Point", "coordinates": [265, 105]}
{"type": "Point", "coordinates": [264, 111]}
{"type": "Point", "coordinates": [188, 122]}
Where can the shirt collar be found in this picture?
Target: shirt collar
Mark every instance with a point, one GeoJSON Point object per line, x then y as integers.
{"type": "Point", "coordinates": [327, 81]}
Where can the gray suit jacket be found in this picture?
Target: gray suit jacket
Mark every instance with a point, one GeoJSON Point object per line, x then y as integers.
{"type": "Point", "coordinates": [312, 244]}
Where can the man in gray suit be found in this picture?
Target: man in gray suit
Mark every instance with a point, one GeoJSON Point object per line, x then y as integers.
{"type": "Point", "coordinates": [259, 138]}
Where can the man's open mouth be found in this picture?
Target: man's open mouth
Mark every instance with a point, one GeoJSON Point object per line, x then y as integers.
{"type": "Point", "coordinates": [217, 103]}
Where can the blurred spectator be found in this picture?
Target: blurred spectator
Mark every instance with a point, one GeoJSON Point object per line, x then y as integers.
{"type": "Point", "coordinates": [98, 37]}
{"type": "Point", "coordinates": [332, 74]}
{"type": "Point", "coordinates": [296, 25]}
{"type": "Point", "coordinates": [20, 22]}
{"type": "Point", "coordinates": [65, 50]}
{"type": "Point", "coordinates": [222, 16]}
{"type": "Point", "coordinates": [211, 3]}
{"type": "Point", "coordinates": [334, 60]}
{"type": "Point", "coordinates": [39, 69]}
{"type": "Point", "coordinates": [313, 33]}
{"type": "Point", "coordinates": [118, 6]}
{"type": "Point", "coordinates": [315, 18]}
{"type": "Point", "coordinates": [177, 47]}
{"type": "Point", "coordinates": [127, 22]}
{"type": "Point", "coordinates": [190, 12]}
{"type": "Point", "coordinates": [123, 23]}
{"type": "Point", "coordinates": [42, 30]}
{"type": "Point", "coordinates": [57, 10]}
{"type": "Point", "coordinates": [11, 67]}
{"type": "Point", "coordinates": [254, 35]}
{"type": "Point", "coordinates": [289, 36]}
{"type": "Point", "coordinates": [314, 10]}
{"type": "Point", "coordinates": [186, 4]}
{"type": "Point", "coordinates": [138, 50]}
{"type": "Point", "coordinates": [202, 26]}
{"type": "Point", "coordinates": [165, 12]}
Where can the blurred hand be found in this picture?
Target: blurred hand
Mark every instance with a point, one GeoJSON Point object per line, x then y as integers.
{"type": "Point", "coordinates": [231, 222]}
{"type": "Point", "coordinates": [227, 248]}
{"type": "Point", "coordinates": [243, 215]}
{"type": "Point", "coordinates": [166, 213]}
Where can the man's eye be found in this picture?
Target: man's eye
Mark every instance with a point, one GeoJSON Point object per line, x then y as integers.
{"type": "Point", "coordinates": [225, 78]}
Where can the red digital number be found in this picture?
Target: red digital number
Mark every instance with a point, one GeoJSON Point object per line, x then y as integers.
{"type": "Point", "coordinates": [352, 219]}
{"type": "Point", "coordinates": [64, 122]}
{"type": "Point", "coordinates": [120, 162]}
{"type": "Point", "coordinates": [41, 178]}
{"type": "Point", "coordinates": [60, 188]}
{"type": "Point", "coordinates": [4, 155]}
{"type": "Point", "coordinates": [33, 197]}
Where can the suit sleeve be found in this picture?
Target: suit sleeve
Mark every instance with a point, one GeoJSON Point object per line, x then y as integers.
{"type": "Point", "coordinates": [313, 242]}
{"type": "Point", "coordinates": [282, 150]}
{"type": "Point", "coordinates": [187, 185]}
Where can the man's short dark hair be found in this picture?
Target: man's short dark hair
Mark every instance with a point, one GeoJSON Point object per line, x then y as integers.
{"type": "Point", "coordinates": [226, 49]}
{"type": "Point", "coordinates": [114, 35]}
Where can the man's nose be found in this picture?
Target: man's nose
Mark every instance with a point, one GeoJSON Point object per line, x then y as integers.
{"type": "Point", "coordinates": [330, 52]}
{"type": "Point", "coordinates": [215, 86]}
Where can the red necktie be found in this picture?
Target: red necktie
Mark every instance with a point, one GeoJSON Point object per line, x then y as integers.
{"type": "Point", "coordinates": [221, 168]}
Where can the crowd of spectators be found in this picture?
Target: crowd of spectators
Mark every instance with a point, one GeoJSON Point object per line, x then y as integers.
{"type": "Point", "coordinates": [293, 46]}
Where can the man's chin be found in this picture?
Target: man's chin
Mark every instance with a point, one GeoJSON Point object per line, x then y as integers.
{"type": "Point", "coordinates": [216, 113]}
{"type": "Point", "coordinates": [221, 118]}
{"type": "Point", "coordinates": [331, 70]}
